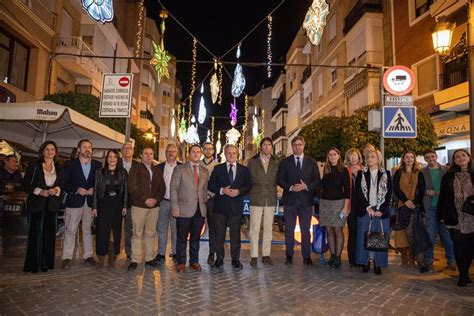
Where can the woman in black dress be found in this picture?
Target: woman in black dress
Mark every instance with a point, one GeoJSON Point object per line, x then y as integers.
{"type": "Point", "coordinates": [109, 205]}
{"type": "Point", "coordinates": [42, 182]}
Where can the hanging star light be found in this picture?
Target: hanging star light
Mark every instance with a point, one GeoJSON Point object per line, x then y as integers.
{"type": "Point", "coordinates": [233, 113]}
{"type": "Point", "coordinates": [315, 21]}
{"type": "Point", "coordinates": [99, 10]}
{"type": "Point", "coordinates": [214, 84]}
{"type": "Point", "coordinates": [160, 57]}
{"type": "Point", "coordinates": [202, 108]}
{"type": "Point", "coordinates": [238, 84]}
{"type": "Point", "coordinates": [192, 136]}
{"type": "Point", "coordinates": [269, 47]}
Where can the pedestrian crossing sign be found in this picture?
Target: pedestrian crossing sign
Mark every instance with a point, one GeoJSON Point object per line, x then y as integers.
{"type": "Point", "coordinates": [399, 122]}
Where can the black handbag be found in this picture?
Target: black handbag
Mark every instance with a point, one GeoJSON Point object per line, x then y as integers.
{"type": "Point", "coordinates": [376, 241]}
{"type": "Point", "coordinates": [468, 205]}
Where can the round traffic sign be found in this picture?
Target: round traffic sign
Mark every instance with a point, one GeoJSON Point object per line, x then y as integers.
{"type": "Point", "coordinates": [124, 81]}
{"type": "Point", "coordinates": [399, 80]}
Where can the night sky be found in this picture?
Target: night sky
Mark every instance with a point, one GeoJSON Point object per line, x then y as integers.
{"type": "Point", "coordinates": [219, 25]}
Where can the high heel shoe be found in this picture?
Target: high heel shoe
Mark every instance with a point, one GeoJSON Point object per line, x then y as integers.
{"type": "Point", "coordinates": [366, 268]}
{"type": "Point", "coordinates": [377, 270]}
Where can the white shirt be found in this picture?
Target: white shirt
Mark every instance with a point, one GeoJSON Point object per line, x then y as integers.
{"type": "Point", "coordinates": [49, 179]}
{"type": "Point", "coordinates": [167, 173]}
{"type": "Point", "coordinates": [373, 187]}
{"type": "Point", "coordinates": [127, 165]}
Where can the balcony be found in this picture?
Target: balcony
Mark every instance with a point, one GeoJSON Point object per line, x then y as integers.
{"type": "Point", "coordinates": [455, 72]}
{"type": "Point", "coordinates": [281, 104]}
{"type": "Point", "coordinates": [82, 67]}
{"type": "Point", "coordinates": [359, 10]}
{"type": "Point", "coordinates": [306, 74]}
{"type": "Point", "coordinates": [146, 115]}
{"type": "Point", "coordinates": [280, 133]}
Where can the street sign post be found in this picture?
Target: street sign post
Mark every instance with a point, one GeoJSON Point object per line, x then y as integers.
{"type": "Point", "coordinates": [399, 122]}
{"type": "Point", "coordinates": [116, 98]}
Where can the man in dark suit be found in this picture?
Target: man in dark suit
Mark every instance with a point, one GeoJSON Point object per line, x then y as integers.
{"type": "Point", "coordinates": [299, 177]}
{"type": "Point", "coordinates": [79, 180]}
{"type": "Point", "coordinates": [230, 181]}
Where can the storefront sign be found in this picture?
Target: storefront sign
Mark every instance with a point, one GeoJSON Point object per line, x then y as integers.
{"type": "Point", "coordinates": [116, 98]}
{"type": "Point", "coordinates": [452, 127]}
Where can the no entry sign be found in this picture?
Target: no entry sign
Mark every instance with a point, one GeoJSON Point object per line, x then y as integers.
{"type": "Point", "coordinates": [116, 96]}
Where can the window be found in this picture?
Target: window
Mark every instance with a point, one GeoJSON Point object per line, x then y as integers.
{"type": "Point", "coordinates": [13, 61]}
{"type": "Point", "coordinates": [427, 76]}
{"type": "Point", "coordinates": [147, 45]}
{"type": "Point", "coordinates": [333, 73]}
{"type": "Point", "coordinates": [332, 28]}
{"type": "Point", "coordinates": [422, 6]}
{"type": "Point", "coordinates": [66, 24]}
{"type": "Point", "coordinates": [320, 85]}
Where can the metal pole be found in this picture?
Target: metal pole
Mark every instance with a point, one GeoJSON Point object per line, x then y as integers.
{"type": "Point", "coordinates": [382, 104]}
{"type": "Point", "coordinates": [470, 44]}
{"type": "Point", "coordinates": [128, 123]}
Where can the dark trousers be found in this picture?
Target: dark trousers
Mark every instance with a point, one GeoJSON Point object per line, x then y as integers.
{"type": "Point", "coordinates": [352, 238]}
{"type": "Point", "coordinates": [233, 221]}
{"type": "Point", "coordinates": [128, 232]}
{"type": "Point", "coordinates": [109, 219]}
{"type": "Point", "coordinates": [211, 226]}
{"type": "Point", "coordinates": [189, 226]}
{"type": "Point", "coordinates": [40, 251]}
{"type": "Point", "coordinates": [304, 213]}
{"type": "Point", "coordinates": [463, 251]}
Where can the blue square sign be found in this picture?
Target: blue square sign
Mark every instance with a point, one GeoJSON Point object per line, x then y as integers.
{"type": "Point", "coordinates": [399, 122]}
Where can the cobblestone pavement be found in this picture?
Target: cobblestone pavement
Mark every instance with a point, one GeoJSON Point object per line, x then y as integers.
{"type": "Point", "coordinates": [277, 290]}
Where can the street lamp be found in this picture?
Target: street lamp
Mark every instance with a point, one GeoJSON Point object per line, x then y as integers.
{"type": "Point", "coordinates": [442, 36]}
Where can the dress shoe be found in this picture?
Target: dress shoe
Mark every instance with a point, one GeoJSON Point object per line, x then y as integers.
{"type": "Point", "coordinates": [424, 270]}
{"type": "Point", "coordinates": [90, 261]}
{"type": "Point", "coordinates": [377, 270]}
{"type": "Point", "coordinates": [132, 266]}
{"type": "Point", "coordinates": [307, 262]}
{"type": "Point", "coordinates": [330, 262]}
{"type": "Point", "coordinates": [289, 260]}
{"type": "Point", "coordinates": [366, 268]}
{"type": "Point", "coordinates": [210, 259]}
{"type": "Point", "coordinates": [253, 262]}
{"type": "Point", "coordinates": [218, 264]}
{"type": "Point", "coordinates": [160, 258]}
{"type": "Point", "coordinates": [195, 266]}
{"type": "Point", "coordinates": [237, 265]}
{"type": "Point", "coordinates": [66, 264]}
{"type": "Point", "coordinates": [267, 260]}
{"type": "Point", "coordinates": [174, 256]}
{"type": "Point", "coordinates": [151, 263]}
{"type": "Point", "coordinates": [181, 268]}
{"type": "Point", "coordinates": [337, 262]}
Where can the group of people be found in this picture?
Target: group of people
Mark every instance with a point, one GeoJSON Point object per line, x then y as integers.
{"type": "Point", "coordinates": [152, 199]}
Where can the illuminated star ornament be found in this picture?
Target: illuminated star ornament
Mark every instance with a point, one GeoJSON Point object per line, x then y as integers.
{"type": "Point", "coordinates": [233, 134]}
{"type": "Point", "coordinates": [214, 84]}
{"type": "Point", "coordinates": [99, 10]}
{"type": "Point", "coordinates": [238, 84]}
{"type": "Point", "coordinates": [160, 57]}
{"type": "Point", "coordinates": [315, 21]}
{"type": "Point", "coordinates": [202, 108]}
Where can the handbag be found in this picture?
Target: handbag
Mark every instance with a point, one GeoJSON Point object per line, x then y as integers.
{"type": "Point", "coordinates": [468, 205]}
{"type": "Point", "coordinates": [319, 244]}
{"type": "Point", "coordinates": [376, 241]}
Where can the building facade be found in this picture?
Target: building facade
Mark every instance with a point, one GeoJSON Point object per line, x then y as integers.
{"type": "Point", "coordinates": [279, 116]}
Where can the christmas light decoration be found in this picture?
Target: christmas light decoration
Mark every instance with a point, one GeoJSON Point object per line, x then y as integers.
{"type": "Point", "coordinates": [269, 47]}
{"type": "Point", "coordinates": [202, 108]}
{"type": "Point", "coordinates": [208, 139]}
{"type": "Point", "coordinates": [182, 128]}
{"type": "Point", "coordinates": [233, 113]}
{"type": "Point", "coordinates": [173, 125]}
{"type": "Point", "coordinates": [218, 144]}
{"type": "Point", "coordinates": [160, 55]}
{"type": "Point", "coordinates": [212, 130]}
{"type": "Point", "coordinates": [232, 136]}
{"type": "Point", "coordinates": [220, 83]}
{"type": "Point", "coordinates": [263, 122]}
{"type": "Point", "coordinates": [315, 21]}
{"type": "Point", "coordinates": [255, 125]}
{"type": "Point", "coordinates": [193, 79]}
{"type": "Point", "coordinates": [192, 136]}
{"type": "Point", "coordinates": [214, 84]}
{"type": "Point", "coordinates": [99, 10]}
{"type": "Point", "coordinates": [238, 84]}
{"type": "Point", "coordinates": [139, 35]}
{"type": "Point", "coordinates": [245, 126]}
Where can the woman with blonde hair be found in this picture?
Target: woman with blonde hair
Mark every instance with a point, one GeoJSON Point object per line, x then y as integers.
{"type": "Point", "coordinates": [334, 204]}
{"type": "Point", "coordinates": [373, 191]}
{"type": "Point", "coordinates": [411, 237]}
{"type": "Point", "coordinates": [353, 161]}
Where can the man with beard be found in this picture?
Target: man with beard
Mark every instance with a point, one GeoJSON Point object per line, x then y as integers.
{"type": "Point", "coordinates": [79, 180]}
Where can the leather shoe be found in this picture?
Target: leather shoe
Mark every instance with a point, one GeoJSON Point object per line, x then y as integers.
{"type": "Point", "coordinates": [289, 260]}
{"type": "Point", "coordinates": [237, 265]}
{"type": "Point", "coordinates": [195, 266]}
{"type": "Point", "coordinates": [181, 268]}
{"type": "Point", "coordinates": [90, 261]}
{"type": "Point", "coordinates": [160, 258]}
{"type": "Point", "coordinates": [377, 270]}
{"type": "Point", "coordinates": [210, 259]}
{"type": "Point", "coordinates": [307, 261]}
{"type": "Point", "coordinates": [66, 264]}
{"type": "Point", "coordinates": [218, 264]}
{"type": "Point", "coordinates": [267, 260]}
{"type": "Point", "coordinates": [253, 262]}
{"type": "Point", "coordinates": [151, 263]}
{"type": "Point", "coordinates": [132, 266]}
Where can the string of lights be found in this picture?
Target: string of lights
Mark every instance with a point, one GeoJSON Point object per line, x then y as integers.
{"type": "Point", "coordinates": [138, 46]}
{"type": "Point", "coordinates": [212, 130]}
{"type": "Point", "coordinates": [193, 80]}
{"type": "Point", "coordinates": [269, 47]}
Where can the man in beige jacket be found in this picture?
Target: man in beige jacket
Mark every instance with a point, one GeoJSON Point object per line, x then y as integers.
{"type": "Point", "coordinates": [188, 194]}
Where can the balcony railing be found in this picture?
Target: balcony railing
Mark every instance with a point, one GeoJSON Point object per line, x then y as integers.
{"type": "Point", "coordinates": [359, 10]}
{"type": "Point", "coordinates": [281, 132]}
{"type": "Point", "coordinates": [306, 74]}
{"type": "Point", "coordinates": [281, 104]}
{"type": "Point", "coordinates": [146, 115]}
{"type": "Point", "coordinates": [455, 72]}
{"type": "Point", "coordinates": [75, 45]}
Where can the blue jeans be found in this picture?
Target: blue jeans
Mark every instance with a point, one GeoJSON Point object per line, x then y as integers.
{"type": "Point", "coordinates": [433, 227]}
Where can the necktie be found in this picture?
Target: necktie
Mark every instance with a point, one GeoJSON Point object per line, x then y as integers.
{"type": "Point", "coordinates": [298, 167]}
{"type": "Point", "coordinates": [196, 176]}
{"type": "Point", "coordinates": [231, 175]}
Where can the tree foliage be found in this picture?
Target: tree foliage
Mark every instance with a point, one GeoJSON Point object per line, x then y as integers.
{"type": "Point", "coordinates": [88, 105]}
{"type": "Point", "coordinates": [352, 132]}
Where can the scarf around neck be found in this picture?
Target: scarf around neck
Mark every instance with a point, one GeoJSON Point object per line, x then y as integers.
{"type": "Point", "coordinates": [382, 186]}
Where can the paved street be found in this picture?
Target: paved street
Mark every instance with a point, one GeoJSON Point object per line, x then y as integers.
{"type": "Point", "coordinates": [277, 290]}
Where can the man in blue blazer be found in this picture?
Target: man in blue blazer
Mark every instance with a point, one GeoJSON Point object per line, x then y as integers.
{"type": "Point", "coordinates": [229, 181]}
{"type": "Point", "coordinates": [299, 177]}
{"type": "Point", "coordinates": [79, 180]}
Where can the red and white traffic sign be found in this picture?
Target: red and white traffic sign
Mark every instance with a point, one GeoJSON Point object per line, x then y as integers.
{"type": "Point", "coordinates": [124, 81]}
{"type": "Point", "coordinates": [399, 80]}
